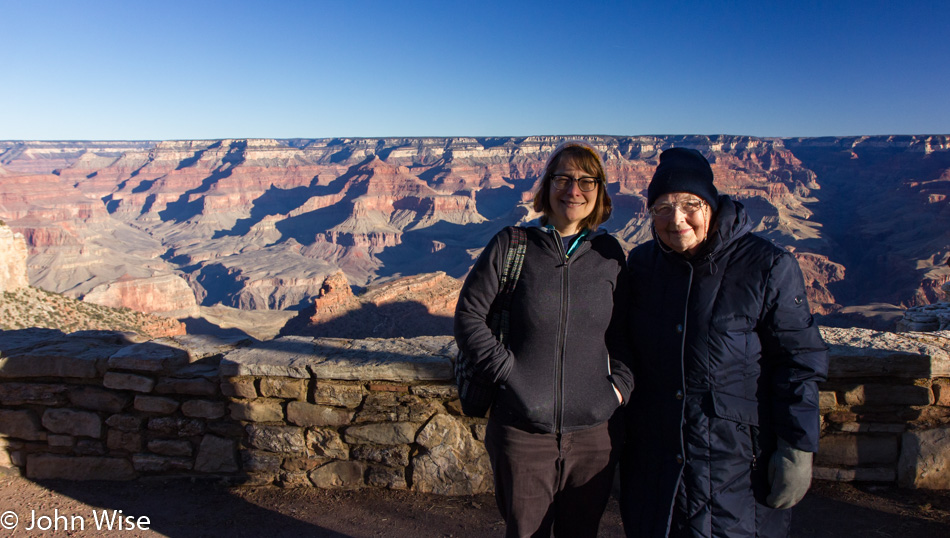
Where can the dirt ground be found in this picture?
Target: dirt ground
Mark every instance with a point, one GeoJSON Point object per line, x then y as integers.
{"type": "Point", "coordinates": [195, 509]}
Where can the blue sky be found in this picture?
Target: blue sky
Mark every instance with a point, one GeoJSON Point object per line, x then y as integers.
{"type": "Point", "coordinates": [129, 70]}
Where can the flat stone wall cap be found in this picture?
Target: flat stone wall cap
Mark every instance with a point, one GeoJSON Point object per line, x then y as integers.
{"type": "Point", "coordinates": [23, 340]}
{"type": "Point", "coordinates": [58, 359]}
{"type": "Point", "coordinates": [288, 356]}
{"type": "Point", "coordinates": [14, 342]}
{"type": "Point", "coordinates": [866, 353]}
{"type": "Point", "coordinates": [205, 347]}
{"type": "Point", "coordinates": [53, 354]}
{"type": "Point", "coordinates": [406, 360]}
{"type": "Point", "coordinates": [149, 357]}
{"type": "Point", "coordinates": [436, 345]}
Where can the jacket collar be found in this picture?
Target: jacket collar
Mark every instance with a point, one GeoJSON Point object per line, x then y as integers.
{"type": "Point", "coordinates": [536, 223]}
{"type": "Point", "coordinates": [580, 245]}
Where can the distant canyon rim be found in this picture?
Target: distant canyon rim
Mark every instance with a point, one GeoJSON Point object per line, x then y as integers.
{"type": "Point", "coordinates": [377, 231]}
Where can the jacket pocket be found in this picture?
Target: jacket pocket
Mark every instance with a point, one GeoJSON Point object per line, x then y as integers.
{"type": "Point", "coordinates": [734, 408]}
{"type": "Point", "coordinates": [736, 338]}
{"type": "Point", "coordinates": [733, 428]}
{"type": "Point", "coordinates": [521, 401]}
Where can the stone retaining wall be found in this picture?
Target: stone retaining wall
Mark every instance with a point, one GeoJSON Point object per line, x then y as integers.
{"type": "Point", "coordinates": [885, 408]}
{"type": "Point", "coordinates": [340, 413]}
{"type": "Point", "coordinates": [323, 412]}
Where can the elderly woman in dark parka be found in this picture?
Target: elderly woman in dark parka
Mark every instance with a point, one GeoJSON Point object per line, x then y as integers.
{"type": "Point", "coordinates": [724, 420]}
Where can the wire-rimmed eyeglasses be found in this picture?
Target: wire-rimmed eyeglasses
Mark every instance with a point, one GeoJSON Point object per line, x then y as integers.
{"type": "Point", "coordinates": [666, 209]}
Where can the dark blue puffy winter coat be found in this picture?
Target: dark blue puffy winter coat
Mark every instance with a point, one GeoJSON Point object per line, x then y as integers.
{"type": "Point", "coordinates": [728, 359]}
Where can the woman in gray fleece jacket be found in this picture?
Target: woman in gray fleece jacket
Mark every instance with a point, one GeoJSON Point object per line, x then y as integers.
{"type": "Point", "coordinates": [565, 369]}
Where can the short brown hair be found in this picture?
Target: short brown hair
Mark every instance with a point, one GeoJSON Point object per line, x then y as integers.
{"type": "Point", "coordinates": [587, 160]}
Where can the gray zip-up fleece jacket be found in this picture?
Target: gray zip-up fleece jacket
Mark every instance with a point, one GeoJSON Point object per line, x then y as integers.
{"type": "Point", "coordinates": [566, 348]}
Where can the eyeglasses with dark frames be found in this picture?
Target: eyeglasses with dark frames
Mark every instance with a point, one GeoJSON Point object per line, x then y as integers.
{"type": "Point", "coordinates": [585, 184]}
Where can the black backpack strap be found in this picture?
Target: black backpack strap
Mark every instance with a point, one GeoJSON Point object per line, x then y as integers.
{"type": "Point", "coordinates": [514, 259]}
{"type": "Point", "coordinates": [476, 395]}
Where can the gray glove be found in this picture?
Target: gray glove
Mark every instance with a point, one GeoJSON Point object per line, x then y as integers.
{"type": "Point", "coordinates": [789, 476]}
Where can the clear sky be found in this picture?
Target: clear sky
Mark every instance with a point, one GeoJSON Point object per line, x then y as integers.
{"type": "Point", "coordinates": [194, 69]}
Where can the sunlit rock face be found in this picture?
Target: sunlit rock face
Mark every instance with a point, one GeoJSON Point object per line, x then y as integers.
{"type": "Point", "coordinates": [165, 295]}
{"type": "Point", "coordinates": [13, 256]}
{"type": "Point", "coordinates": [261, 224]}
{"type": "Point", "coordinates": [418, 305]}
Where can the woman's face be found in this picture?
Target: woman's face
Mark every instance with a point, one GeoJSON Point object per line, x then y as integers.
{"type": "Point", "coordinates": [570, 205]}
{"type": "Point", "coordinates": [682, 231]}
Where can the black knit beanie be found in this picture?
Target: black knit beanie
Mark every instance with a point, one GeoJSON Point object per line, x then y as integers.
{"type": "Point", "coordinates": [683, 170]}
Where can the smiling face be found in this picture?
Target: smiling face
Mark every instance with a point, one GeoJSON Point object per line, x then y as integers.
{"type": "Point", "coordinates": [680, 231]}
{"type": "Point", "coordinates": [570, 205]}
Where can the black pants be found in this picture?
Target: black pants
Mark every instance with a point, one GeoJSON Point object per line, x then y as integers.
{"type": "Point", "coordinates": [546, 482]}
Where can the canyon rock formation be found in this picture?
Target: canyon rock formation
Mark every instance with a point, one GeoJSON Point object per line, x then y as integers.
{"type": "Point", "coordinates": [23, 306]}
{"type": "Point", "coordinates": [261, 224]}
{"type": "Point", "coordinates": [418, 305]}
{"type": "Point", "coordinates": [164, 295]}
{"type": "Point", "coordinates": [13, 256]}
{"type": "Point", "coordinates": [928, 318]}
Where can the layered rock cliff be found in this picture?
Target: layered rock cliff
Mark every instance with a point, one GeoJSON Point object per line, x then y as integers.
{"type": "Point", "coordinates": [260, 224]}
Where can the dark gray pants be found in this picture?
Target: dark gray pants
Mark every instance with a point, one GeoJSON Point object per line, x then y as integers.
{"type": "Point", "coordinates": [547, 483]}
